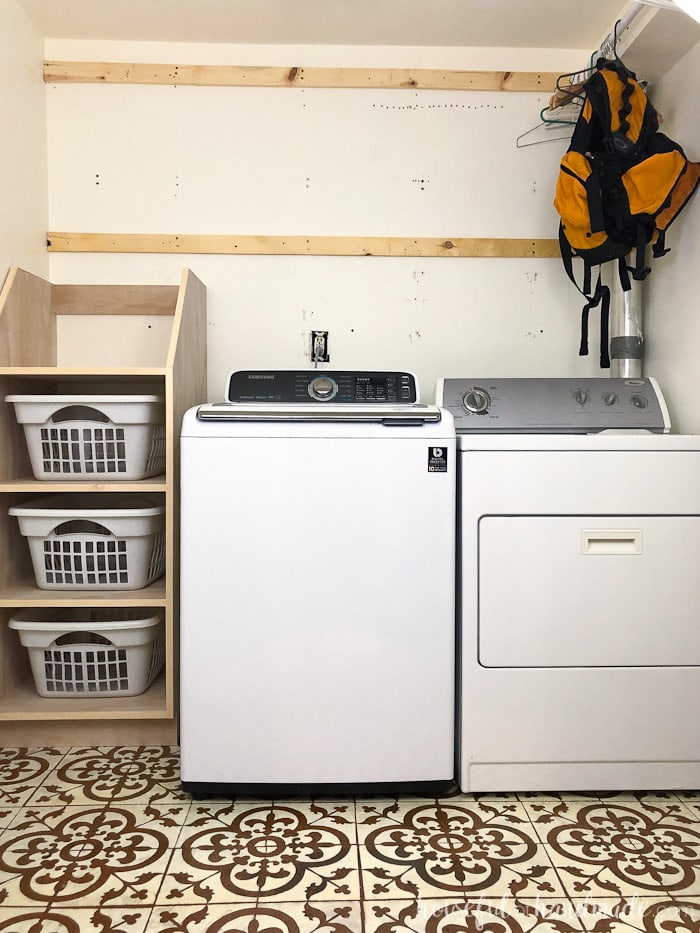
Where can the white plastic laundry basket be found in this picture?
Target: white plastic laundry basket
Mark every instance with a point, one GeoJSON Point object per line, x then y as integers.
{"type": "Point", "coordinates": [106, 652]}
{"type": "Point", "coordinates": [94, 541]}
{"type": "Point", "coordinates": [82, 437]}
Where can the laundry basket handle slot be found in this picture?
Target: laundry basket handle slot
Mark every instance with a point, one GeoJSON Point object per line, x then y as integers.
{"type": "Point", "coordinates": [81, 638]}
{"type": "Point", "coordinates": [77, 526]}
{"type": "Point", "coordinates": [78, 413]}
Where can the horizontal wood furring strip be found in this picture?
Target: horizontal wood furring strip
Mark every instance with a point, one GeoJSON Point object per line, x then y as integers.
{"type": "Point", "coordinates": [504, 248]}
{"type": "Point", "coordinates": [300, 77]}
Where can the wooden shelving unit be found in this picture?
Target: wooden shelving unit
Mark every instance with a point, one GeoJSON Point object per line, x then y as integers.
{"type": "Point", "coordinates": [100, 339]}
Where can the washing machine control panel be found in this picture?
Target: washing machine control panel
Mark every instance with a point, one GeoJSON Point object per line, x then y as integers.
{"type": "Point", "coordinates": [554, 406]}
{"type": "Point", "coordinates": [342, 387]}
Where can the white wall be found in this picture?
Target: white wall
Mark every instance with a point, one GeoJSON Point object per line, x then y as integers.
{"type": "Point", "coordinates": [333, 162]}
{"type": "Point", "coordinates": [672, 300]}
{"type": "Point", "coordinates": [23, 211]}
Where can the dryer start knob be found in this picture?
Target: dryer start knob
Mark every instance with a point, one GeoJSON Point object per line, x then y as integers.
{"type": "Point", "coordinates": [477, 401]}
{"type": "Point", "coordinates": [323, 388]}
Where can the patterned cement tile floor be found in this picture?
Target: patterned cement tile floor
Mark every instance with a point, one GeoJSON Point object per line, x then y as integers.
{"type": "Point", "coordinates": [104, 839]}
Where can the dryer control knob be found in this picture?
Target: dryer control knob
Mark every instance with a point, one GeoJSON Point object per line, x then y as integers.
{"type": "Point", "coordinates": [323, 388]}
{"type": "Point", "coordinates": [477, 401]}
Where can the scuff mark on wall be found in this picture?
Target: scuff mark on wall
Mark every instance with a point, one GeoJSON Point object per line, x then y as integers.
{"type": "Point", "coordinates": [533, 331]}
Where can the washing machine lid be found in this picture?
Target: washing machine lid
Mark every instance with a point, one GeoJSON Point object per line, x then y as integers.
{"type": "Point", "coordinates": [388, 397]}
{"type": "Point", "coordinates": [554, 406]}
{"type": "Point", "coordinates": [387, 414]}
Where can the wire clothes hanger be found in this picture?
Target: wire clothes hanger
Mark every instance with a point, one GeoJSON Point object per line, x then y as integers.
{"type": "Point", "coordinates": [553, 127]}
{"type": "Point", "coordinates": [568, 99]}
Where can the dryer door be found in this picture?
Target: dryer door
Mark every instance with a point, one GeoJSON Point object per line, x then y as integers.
{"type": "Point", "coordinates": [589, 591]}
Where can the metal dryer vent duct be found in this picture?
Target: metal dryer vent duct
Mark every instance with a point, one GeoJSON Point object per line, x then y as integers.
{"type": "Point", "coordinates": [627, 340]}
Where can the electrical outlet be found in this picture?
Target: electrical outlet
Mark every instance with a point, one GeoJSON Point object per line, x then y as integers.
{"type": "Point", "coordinates": [319, 347]}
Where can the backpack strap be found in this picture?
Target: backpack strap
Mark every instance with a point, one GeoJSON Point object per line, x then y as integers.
{"type": "Point", "coordinates": [567, 258]}
{"type": "Point", "coordinates": [640, 271]}
{"type": "Point", "coordinates": [659, 248]}
{"type": "Point", "coordinates": [600, 297]}
{"type": "Point", "coordinates": [623, 272]}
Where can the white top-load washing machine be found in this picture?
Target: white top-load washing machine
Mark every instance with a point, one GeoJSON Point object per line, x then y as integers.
{"type": "Point", "coordinates": [317, 635]}
{"type": "Point", "coordinates": [579, 590]}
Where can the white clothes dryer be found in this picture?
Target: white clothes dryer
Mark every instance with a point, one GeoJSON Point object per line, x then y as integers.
{"type": "Point", "coordinates": [578, 586]}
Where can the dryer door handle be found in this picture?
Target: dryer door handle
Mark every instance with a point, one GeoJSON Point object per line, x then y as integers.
{"type": "Point", "coordinates": [611, 541]}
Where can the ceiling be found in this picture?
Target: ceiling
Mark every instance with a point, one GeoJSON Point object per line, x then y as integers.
{"type": "Point", "coordinates": [557, 24]}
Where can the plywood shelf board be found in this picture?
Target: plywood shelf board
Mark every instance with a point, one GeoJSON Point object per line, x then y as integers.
{"type": "Point", "coordinates": [26, 339]}
{"type": "Point", "coordinates": [288, 76]}
{"type": "Point", "coordinates": [23, 702]}
{"type": "Point", "coordinates": [98, 373]}
{"type": "Point", "coordinates": [28, 484]}
{"type": "Point", "coordinates": [25, 593]}
{"type": "Point", "coordinates": [86, 732]}
{"type": "Point", "coordinates": [249, 245]}
{"type": "Point", "coordinates": [187, 362]}
{"type": "Point", "coordinates": [114, 299]}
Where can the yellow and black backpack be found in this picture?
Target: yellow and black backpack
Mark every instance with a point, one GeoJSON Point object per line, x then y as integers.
{"type": "Point", "coordinates": [621, 183]}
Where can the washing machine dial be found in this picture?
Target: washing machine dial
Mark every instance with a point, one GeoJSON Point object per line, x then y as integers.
{"type": "Point", "coordinates": [476, 400]}
{"type": "Point", "coordinates": [323, 388]}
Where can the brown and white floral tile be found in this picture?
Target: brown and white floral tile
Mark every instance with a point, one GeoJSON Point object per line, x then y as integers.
{"type": "Point", "coordinates": [121, 774]}
{"type": "Point", "coordinates": [649, 809]}
{"type": "Point", "coordinates": [388, 874]}
{"type": "Point", "coordinates": [611, 848]}
{"type": "Point", "coordinates": [275, 917]}
{"type": "Point", "coordinates": [86, 855]}
{"type": "Point", "coordinates": [658, 914]}
{"type": "Point", "coordinates": [691, 802]}
{"type": "Point", "coordinates": [245, 852]}
{"type": "Point", "coordinates": [556, 797]}
{"type": "Point", "coordinates": [451, 849]}
{"type": "Point", "coordinates": [495, 914]}
{"type": "Point", "coordinates": [7, 814]}
{"type": "Point", "coordinates": [23, 770]}
{"type": "Point", "coordinates": [425, 818]}
{"type": "Point", "coordinates": [640, 796]}
{"type": "Point", "coordinates": [74, 919]}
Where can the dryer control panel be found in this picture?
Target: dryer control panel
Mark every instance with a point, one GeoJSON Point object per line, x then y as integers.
{"type": "Point", "coordinates": [554, 406]}
{"type": "Point", "coordinates": [340, 387]}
